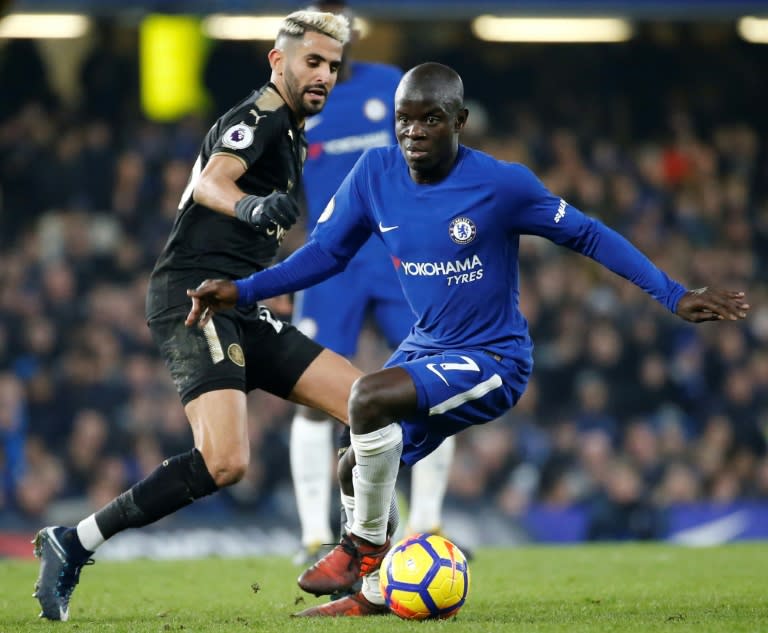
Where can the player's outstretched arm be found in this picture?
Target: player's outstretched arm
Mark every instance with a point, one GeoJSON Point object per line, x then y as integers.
{"type": "Point", "coordinates": [305, 267]}
{"type": "Point", "coordinates": [213, 295]}
{"type": "Point", "coordinates": [712, 304]}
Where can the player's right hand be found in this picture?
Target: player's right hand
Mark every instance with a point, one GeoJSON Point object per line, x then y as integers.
{"type": "Point", "coordinates": [213, 295]}
{"type": "Point", "coordinates": [263, 211]}
{"type": "Point", "coordinates": [712, 304]}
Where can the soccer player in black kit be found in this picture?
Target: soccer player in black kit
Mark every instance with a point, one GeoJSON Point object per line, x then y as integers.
{"type": "Point", "coordinates": [241, 198]}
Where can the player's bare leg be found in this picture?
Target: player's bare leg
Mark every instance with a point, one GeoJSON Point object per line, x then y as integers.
{"type": "Point", "coordinates": [326, 385]}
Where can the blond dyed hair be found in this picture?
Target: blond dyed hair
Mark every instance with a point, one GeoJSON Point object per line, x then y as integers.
{"type": "Point", "coordinates": [298, 23]}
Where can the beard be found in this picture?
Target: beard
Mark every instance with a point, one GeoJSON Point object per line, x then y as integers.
{"type": "Point", "coordinates": [306, 104]}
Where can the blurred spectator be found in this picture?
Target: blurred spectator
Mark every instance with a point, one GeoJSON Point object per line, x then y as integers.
{"type": "Point", "coordinates": [26, 140]}
{"type": "Point", "coordinates": [592, 409]}
{"type": "Point", "coordinates": [22, 67]}
{"type": "Point", "coordinates": [229, 59]}
{"type": "Point", "coordinates": [85, 448]}
{"type": "Point", "coordinates": [109, 75]}
{"type": "Point", "coordinates": [620, 511]}
{"type": "Point", "coordinates": [679, 485]}
{"type": "Point", "coordinates": [13, 420]}
{"type": "Point", "coordinates": [641, 447]}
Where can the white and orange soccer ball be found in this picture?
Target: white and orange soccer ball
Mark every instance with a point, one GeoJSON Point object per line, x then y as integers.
{"type": "Point", "coordinates": [424, 576]}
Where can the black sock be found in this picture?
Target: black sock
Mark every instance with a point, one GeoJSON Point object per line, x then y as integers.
{"type": "Point", "coordinates": [171, 486]}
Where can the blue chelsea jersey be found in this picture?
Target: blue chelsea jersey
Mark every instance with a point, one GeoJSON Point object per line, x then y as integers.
{"type": "Point", "coordinates": [455, 244]}
{"type": "Point", "coordinates": [455, 259]}
{"type": "Point", "coordinates": [359, 115]}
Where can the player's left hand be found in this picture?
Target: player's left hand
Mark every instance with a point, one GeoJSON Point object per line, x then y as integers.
{"type": "Point", "coordinates": [213, 295]}
{"type": "Point", "coordinates": [712, 304]}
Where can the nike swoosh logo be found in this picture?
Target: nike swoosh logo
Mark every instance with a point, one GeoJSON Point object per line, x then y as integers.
{"type": "Point", "coordinates": [386, 229]}
{"type": "Point", "coordinates": [57, 547]}
{"type": "Point", "coordinates": [714, 532]}
{"type": "Point", "coordinates": [431, 367]}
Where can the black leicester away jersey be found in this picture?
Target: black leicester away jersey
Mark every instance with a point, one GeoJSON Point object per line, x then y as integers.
{"type": "Point", "coordinates": [261, 132]}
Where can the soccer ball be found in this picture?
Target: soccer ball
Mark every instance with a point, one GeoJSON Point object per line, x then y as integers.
{"type": "Point", "coordinates": [424, 576]}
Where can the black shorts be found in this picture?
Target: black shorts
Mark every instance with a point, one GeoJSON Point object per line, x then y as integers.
{"type": "Point", "coordinates": [236, 350]}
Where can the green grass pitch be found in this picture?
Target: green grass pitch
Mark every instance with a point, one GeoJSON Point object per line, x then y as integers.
{"type": "Point", "coordinates": [606, 588]}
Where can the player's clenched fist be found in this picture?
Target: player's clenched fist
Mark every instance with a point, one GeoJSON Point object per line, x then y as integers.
{"type": "Point", "coordinates": [264, 211]}
{"type": "Point", "coordinates": [213, 295]}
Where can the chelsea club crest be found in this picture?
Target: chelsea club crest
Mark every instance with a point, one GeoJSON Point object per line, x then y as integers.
{"type": "Point", "coordinates": [462, 230]}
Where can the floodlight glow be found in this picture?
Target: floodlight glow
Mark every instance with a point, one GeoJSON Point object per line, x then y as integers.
{"type": "Point", "coordinates": [562, 29]}
{"type": "Point", "coordinates": [242, 27]}
{"type": "Point", "coordinates": [43, 25]}
{"type": "Point", "coordinates": [754, 30]}
{"type": "Point", "coordinates": [220, 26]}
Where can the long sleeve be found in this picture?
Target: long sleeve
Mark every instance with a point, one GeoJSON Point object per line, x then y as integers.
{"type": "Point", "coordinates": [306, 267]}
{"type": "Point", "coordinates": [619, 255]}
{"type": "Point", "coordinates": [536, 211]}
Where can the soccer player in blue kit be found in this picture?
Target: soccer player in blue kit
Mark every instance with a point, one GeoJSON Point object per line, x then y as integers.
{"type": "Point", "coordinates": [358, 117]}
{"type": "Point", "coordinates": [452, 218]}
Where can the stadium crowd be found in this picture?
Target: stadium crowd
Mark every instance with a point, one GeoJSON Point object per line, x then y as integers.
{"type": "Point", "coordinates": [629, 410]}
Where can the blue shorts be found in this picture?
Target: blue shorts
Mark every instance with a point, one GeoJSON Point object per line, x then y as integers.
{"type": "Point", "coordinates": [333, 312]}
{"type": "Point", "coordinates": [456, 390]}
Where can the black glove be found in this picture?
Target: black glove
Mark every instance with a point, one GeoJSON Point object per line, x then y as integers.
{"type": "Point", "coordinates": [275, 209]}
